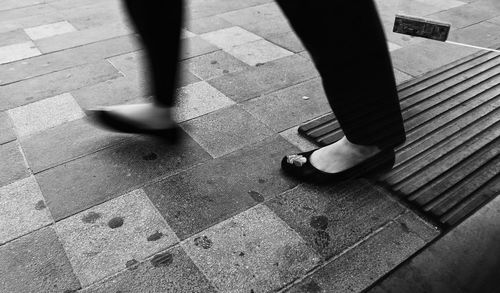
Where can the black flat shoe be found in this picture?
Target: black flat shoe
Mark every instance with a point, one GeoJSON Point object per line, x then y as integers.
{"type": "Point", "coordinates": [111, 121]}
{"type": "Point", "coordinates": [300, 167]}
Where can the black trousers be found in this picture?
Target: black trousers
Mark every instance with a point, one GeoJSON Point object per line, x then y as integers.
{"type": "Point", "coordinates": [348, 47]}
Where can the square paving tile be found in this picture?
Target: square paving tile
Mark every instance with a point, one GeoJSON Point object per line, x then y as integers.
{"type": "Point", "coordinates": [230, 37]}
{"type": "Point", "coordinates": [13, 37]}
{"type": "Point", "coordinates": [122, 90]}
{"type": "Point", "coordinates": [258, 52]}
{"type": "Point", "coordinates": [19, 51]}
{"type": "Point", "coordinates": [333, 218]}
{"type": "Point", "coordinates": [207, 24]}
{"type": "Point", "coordinates": [22, 209]}
{"type": "Point", "coordinates": [291, 106]}
{"type": "Point", "coordinates": [361, 266]}
{"type": "Point", "coordinates": [392, 46]}
{"type": "Point", "coordinates": [465, 15]}
{"type": "Point", "coordinates": [49, 30]}
{"type": "Point", "coordinates": [107, 238]}
{"type": "Point", "coordinates": [65, 59]}
{"type": "Point", "coordinates": [6, 128]}
{"type": "Point", "coordinates": [131, 63]}
{"type": "Point", "coordinates": [13, 164]}
{"type": "Point", "coordinates": [260, 80]}
{"type": "Point", "coordinates": [195, 46]}
{"type": "Point", "coordinates": [253, 14]}
{"type": "Point", "coordinates": [45, 114]}
{"type": "Point", "coordinates": [36, 263]}
{"type": "Point", "coordinates": [83, 37]}
{"type": "Point", "coordinates": [253, 251]}
{"type": "Point", "coordinates": [226, 130]}
{"type": "Point", "coordinates": [170, 271]}
{"type": "Point", "coordinates": [79, 137]}
{"type": "Point", "coordinates": [214, 64]}
{"type": "Point", "coordinates": [288, 40]}
{"type": "Point", "coordinates": [483, 34]}
{"type": "Point", "coordinates": [82, 183]}
{"type": "Point", "coordinates": [200, 197]}
{"type": "Point", "coordinates": [55, 83]}
{"type": "Point", "coordinates": [198, 99]}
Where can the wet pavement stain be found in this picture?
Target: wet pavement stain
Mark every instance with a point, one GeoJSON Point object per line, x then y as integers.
{"type": "Point", "coordinates": [203, 242]}
{"type": "Point", "coordinates": [322, 239]}
{"type": "Point", "coordinates": [262, 181]}
{"type": "Point", "coordinates": [162, 260]}
{"type": "Point", "coordinates": [91, 217]}
{"type": "Point", "coordinates": [311, 287]}
{"type": "Point", "coordinates": [225, 71]}
{"type": "Point", "coordinates": [91, 253]}
{"type": "Point", "coordinates": [40, 205]}
{"type": "Point", "coordinates": [155, 236]}
{"type": "Point", "coordinates": [242, 254]}
{"type": "Point", "coordinates": [132, 264]}
{"type": "Point", "coordinates": [213, 62]}
{"type": "Point", "coordinates": [115, 222]}
{"type": "Point", "coordinates": [256, 196]}
{"type": "Point", "coordinates": [405, 228]}
{"type": "Point", "coordinates": [319, 222]}
{"type": "Point", "coordinates": [150, 157]}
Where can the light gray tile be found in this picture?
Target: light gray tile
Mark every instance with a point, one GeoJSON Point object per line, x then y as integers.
{"type": "Point", "coordinates": [49, 30]}
{"type": "Point", "coordinates": [230, 37]}
{"type": "Point", "coordinates": [198, 99]}
{"type": "Point", "coordinates": [258, 52]}
{"type": "Point", "coordinates": [252, 251]}
{"type": "Point", "coordinates": [100, 241]}
{"type": "Point", "coordinates": [22, 209]}
{"type": "Point", "coordinates": [19, 51]}
{"type": "Point", "coordinates": [45, 114]}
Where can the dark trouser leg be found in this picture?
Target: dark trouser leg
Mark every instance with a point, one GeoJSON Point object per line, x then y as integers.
{"type": "Point", "coordinates": [348, 46]}
{"type": "Point", "coordinates": [159, 24]}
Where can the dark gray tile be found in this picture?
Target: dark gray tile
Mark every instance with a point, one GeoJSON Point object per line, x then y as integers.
{"type": "Point", "coordinates": [207, 24]}
{"type": "Point", "coordinates": [65, 59]}
{"type": "Point", "coordinates": [168, 271]}
{"type": "Point", "coordinates": [287, 40]}
{"type": "Point", "coordinates": [361, 266]}
{"type": "Point", "coordinates": [13, 37]}
{"type": "Point", "coordinates": [333, 218]}
{"type": "Point", "coordinates": [259, 80]}
{"type": "Point", "coordinates": [116, 91]}
{"type": "Point", "coordinates": [6, 128]}
{"type": "Point", "coordinates": [195, 46]}
{"type": "Point", "coordinates": [52, 84]}
{"type": "Point", "coordinates": [36, 263]}
{"type": "Point", "coordinates": [226, 130]}
{"type": "Point", "coordinates": [198, 198]}
{"type": "Point", "coordinates": [427, 55]}
{"type": "Point", "coordinates": [214, 64]}
{"type": "Point", "coordinates": [79, 137]}
{"type": "Point", "coordinates": [287, 108]}
{"type": "Point", "coordinates": [85, 182]}
{"type": "Point", "coordinates": [12, 162]}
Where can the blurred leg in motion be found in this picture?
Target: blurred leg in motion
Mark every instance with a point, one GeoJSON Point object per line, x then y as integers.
{"type": "Point", "coordinates": [159, 25]}
{"type": "Point", "coordinates": [348, 47]}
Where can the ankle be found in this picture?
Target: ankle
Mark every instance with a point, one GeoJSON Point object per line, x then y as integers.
{"type": "Point", "coordinates": [361, 149]}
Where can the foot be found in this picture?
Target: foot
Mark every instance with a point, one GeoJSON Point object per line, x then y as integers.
{"type": "Point", "coordinates": [144, 116]}
{"type": "Point", "coordinates": [341, 156]}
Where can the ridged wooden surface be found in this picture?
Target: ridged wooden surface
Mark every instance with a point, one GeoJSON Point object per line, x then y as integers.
{"type": "Point", "coordinates": [450, 163]}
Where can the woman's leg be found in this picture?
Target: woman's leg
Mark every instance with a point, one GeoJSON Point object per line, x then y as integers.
{"type": "Point", "coordinates": [348, 47]}
{"type": "Point", "coordinates": [159, 25]}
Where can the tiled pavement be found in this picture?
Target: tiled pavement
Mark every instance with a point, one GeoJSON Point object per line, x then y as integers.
{"type": "Point", "coordinates": [84, 209]}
